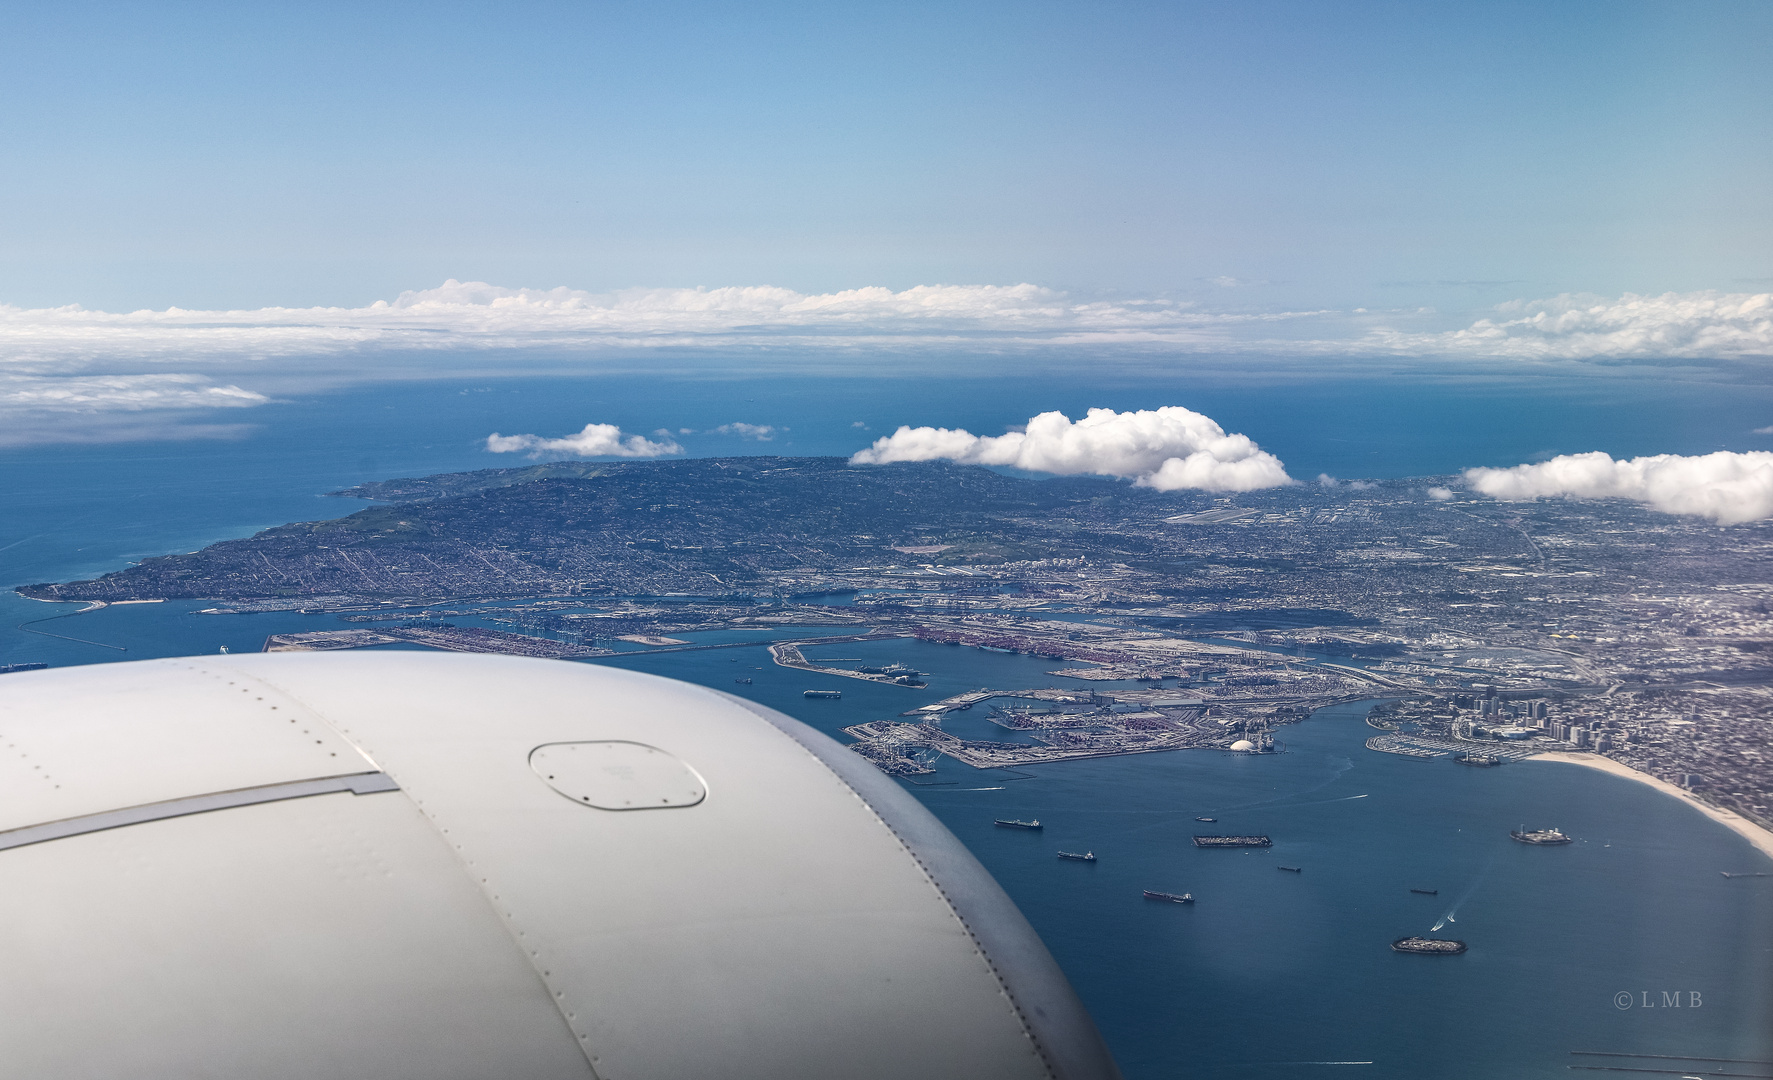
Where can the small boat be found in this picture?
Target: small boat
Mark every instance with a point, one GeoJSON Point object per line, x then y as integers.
{"type": "Point", "coordinates": [1292, 869]}
{"type": "Point", "coordinates": [1184, 898]}
{"type": "Point", "coordinates": [1206, 819]}
{"type": "Point", "coordinates": [1013, 823]}
{"type": "Point", "coordinates": [1426, 892]}
{"type": "Point", "coordinates": [1088, 856]}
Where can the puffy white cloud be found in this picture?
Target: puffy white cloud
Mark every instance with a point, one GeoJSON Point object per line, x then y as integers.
{"type": "Point", "coordinates": [1168, 449]}
{"type": "Point", "coordinates": [1699, 325]}
{"type": "Point", "coordinates": [1440, 494]}
{"type": "Point", "coordinates": [756, 432]}
{"type": "Point", "coordinates": [596, 440]}
{"type": "Point", "coordinates": [1726, 487]}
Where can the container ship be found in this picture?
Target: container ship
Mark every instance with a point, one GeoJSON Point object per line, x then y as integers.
{"type": "Point", "coordinates": [1540, 836]}
{"type": "Point", "coordinates": [1232, 841]}
{"type": "Point", "coordinates": [1012, 823]}
{"type": "Point", "coordinates": [1428, 946]}
{"type": "Point", "coordinates": [1184, 898]}
{"type": "Point", "coordinates": [831, 695]}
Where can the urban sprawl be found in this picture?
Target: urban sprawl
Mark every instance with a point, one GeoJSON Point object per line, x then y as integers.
{"type": "Point", "coordinates": [1493, 630]}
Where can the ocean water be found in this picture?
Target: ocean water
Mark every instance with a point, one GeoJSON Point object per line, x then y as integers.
{"type": "Point", "coordinates": [1268, 974]}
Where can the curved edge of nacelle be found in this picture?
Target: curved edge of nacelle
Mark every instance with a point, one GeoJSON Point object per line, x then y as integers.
{"type": "Point", "coordinates": [439, 865]}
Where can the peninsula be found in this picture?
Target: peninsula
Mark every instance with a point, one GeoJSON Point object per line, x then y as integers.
{"type": "Point", "coordinates": [1501, 630]}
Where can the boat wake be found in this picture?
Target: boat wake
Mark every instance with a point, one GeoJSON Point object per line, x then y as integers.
{"type": "Point", "coordinates": [1453, 910]}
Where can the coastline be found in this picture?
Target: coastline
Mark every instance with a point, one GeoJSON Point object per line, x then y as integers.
{"type": "Point", "coordinates": [1761, 838]}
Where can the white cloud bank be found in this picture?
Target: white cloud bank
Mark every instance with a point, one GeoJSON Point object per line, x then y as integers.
{"type": "Point", "coordinates": [1169, 449]}
{"type": "Point", "coordinates": [474, 328]}
{"type": "Point", "coordinates": [475, 316]}
{"type": "Point", "coordinates": [36, 409]}
{"type": "Point", "coordinates": [126, 393]}
{"type": "Point", "coordinates": [596, 440]}
{"type": "Point", "coordinates": [1727, 487]}
{"type": "Point", "coordinates": [1673, 326]}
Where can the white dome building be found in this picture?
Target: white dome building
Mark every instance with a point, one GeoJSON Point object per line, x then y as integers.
{"type": "Point", "coordinates": [408, 865]}
{"type": "Point", "coordinates": [1243, 746]}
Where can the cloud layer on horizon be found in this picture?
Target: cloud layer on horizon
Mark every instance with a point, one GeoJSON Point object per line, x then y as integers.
{"type": "Point", "coordinates": [476, 317]}
{"type": "Point", "coordinates": [1726, 487]}
{"type": "Point", "coordinates": [1169, 448]}
{"type": "Point", "coordinates": [63, 369]}
{"type": "Point", "coordinates": [1673, 326]}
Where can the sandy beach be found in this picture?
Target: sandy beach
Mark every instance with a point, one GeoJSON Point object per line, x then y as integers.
{"type": "Point", "coordinates": [1761, 838]}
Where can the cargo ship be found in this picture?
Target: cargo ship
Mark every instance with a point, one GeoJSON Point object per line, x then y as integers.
{"type": "Point", "coordinates": [1290, 869]}
{"type": "Point", "coordinates": [1232, 841]}
{"type": "Point", "coordinates": [1088, 856]}
{"type": "Point", "coordinates": [1539, 836]}
{"type": "Point", "coordinates": [826, 694]}
{"type": "Point", "coordinates": [743, 682]}
{"type": "Point", "coordinates": [1012, 823]}
{"type": "Point", "coordinates": [1428, 946]}
{"type": "Point", "coordinates": [1427, 892]}
{"type": "Point", "coordinates": [1206, 819]}
{"type": "Point", "coordinates": [1185, 898]}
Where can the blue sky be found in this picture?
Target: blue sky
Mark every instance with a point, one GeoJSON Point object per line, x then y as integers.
{"type": "Point", "coordinates": [1238, 156]}
{"type": "Point", "coordinates": [208, 208]}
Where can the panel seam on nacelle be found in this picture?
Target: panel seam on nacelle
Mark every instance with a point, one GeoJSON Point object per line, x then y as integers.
{"type": "Point", "coordinates": [356, 783]}
{"type": "Point", "coordinates": [507, 918]}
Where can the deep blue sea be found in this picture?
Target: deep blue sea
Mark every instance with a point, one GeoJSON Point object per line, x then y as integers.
{"type": "Point", "coordinates": [1269, 973]}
